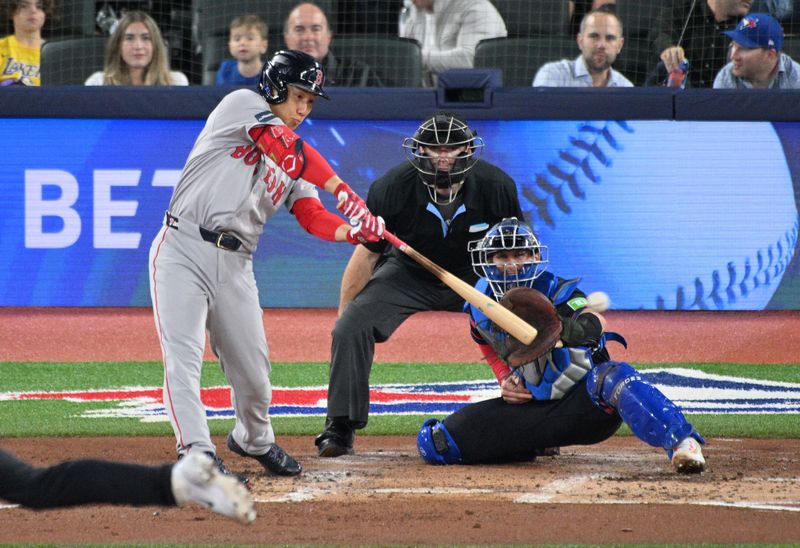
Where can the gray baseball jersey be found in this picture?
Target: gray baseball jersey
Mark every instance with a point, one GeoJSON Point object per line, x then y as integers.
{"type": "Point", "coordinates": [228, 186]}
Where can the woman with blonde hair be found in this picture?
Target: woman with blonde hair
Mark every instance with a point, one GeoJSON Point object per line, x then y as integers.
{"type": "Point", "coordinates": [136, 55]}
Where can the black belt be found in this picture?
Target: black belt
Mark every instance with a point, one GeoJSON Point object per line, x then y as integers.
{"type": "Point", "coordinates": [223, 240]}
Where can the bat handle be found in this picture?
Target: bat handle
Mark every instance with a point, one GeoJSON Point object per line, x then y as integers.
{"type": "Point", "coordinates": [394, 240]}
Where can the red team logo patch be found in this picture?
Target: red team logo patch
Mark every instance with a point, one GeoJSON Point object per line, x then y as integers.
{"type": "Point", "coordinates": [749, 23]}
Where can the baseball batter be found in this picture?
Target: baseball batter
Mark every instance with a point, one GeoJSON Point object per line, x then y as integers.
{"type": "Point", "coordinates": [570, 395]}
{"type": "Point", "coordinates": [246, 164]}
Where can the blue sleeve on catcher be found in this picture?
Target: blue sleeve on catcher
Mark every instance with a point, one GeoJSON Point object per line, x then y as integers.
{"type": "Point", "coordinates": [651, 416]}
{"type": "Point", "coordinates": [436, 445]}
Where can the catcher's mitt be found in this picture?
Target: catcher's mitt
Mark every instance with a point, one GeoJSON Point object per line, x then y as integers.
{"type": "Point", "coordinates": [539, 311]}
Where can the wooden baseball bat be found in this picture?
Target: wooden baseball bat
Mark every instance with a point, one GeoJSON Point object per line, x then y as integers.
{"type": "Point", "coordinates": [499, 314]}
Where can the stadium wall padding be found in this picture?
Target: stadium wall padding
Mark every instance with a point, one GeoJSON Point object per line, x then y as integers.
{"type": "Point", "coordinates": [677, 199]}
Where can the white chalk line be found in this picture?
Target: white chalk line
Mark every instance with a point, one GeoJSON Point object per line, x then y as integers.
{"type": "Point", "coordinates": [750, 505]}
{"type": "Point", "coordinates": [546, 495]}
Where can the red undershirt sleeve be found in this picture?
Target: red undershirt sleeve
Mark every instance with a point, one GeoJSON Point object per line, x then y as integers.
{"type": "Point", "coordinates": [315, 219]}
{"type": "Point", "coordinates": [500, 368]}
{"type": "Point", "coordinates": [318, 170]}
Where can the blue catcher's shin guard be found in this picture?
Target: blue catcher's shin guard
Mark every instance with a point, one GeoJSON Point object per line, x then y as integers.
{"type": "Point", "coordinates": [435, 444]}
{"type": "Point", "coordinates": [651, 416]}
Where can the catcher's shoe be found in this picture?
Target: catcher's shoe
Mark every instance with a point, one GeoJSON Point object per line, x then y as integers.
{"type": "Point", "coordinates": [276, 460]}
{"type": "Point", "coordinates": [196, 479]}
{"type": "Point", "coordinates": [687, 457]}
{"type": "Point", "coordinates": [336, 440]}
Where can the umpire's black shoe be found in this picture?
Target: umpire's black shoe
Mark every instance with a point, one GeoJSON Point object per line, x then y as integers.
{"type": "Point", "coordinates": [337, 438]}
{"type": "Point", "coordinates": [276, 460]}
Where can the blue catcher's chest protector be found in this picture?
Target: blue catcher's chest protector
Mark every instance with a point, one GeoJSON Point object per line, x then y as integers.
{"type": "Point", "coordinates": [554, 374]}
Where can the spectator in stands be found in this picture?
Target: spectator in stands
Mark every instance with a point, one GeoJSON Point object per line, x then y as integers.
{"type": "Point", "coordinates": [247, 44]}
{"type": "Point", "coordinates": [306, 29]}
{"type": "Point", "coordinates": [136, 55]}
{"type": "Point", "coordinates": [449, 31]}
{"type": "Point", "coordinates": [20, 51]}
{"type": "Point", "coordinates": [756, 58]}
{"type": "Point", "coordinates": [779, 9]}
{"type": "Point", "coordinates": [600, 41]}
{"type": "Point", "coordinates": [579, 8]}
{"type": "Point", "coordinates": [692, 30]}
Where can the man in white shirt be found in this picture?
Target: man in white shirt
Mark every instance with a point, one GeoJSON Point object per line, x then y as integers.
{"type": "Point", "coordinates": [600, 41]}
{"type": "Point", "coordinates": [449, 31]}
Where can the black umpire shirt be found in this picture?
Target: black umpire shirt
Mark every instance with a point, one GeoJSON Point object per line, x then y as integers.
{"type": "Point", "coordinates": [400, 197]}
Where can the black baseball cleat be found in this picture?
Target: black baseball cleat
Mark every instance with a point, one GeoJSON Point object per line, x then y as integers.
{"type": "Point", "coordinates": [336, 440]}
{"type": "Point", "coordinates": [276, 460]}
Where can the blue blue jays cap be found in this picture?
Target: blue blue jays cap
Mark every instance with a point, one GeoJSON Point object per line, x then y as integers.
{"type": "Point", "coordinates": [757, 30]}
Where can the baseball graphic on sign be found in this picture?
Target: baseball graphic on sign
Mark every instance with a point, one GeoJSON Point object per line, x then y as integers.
{"type": "Point", "coordinates": [663, 215]}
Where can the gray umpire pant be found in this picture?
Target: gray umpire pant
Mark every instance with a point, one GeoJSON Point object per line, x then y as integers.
{"type": "Point", "coordinates": [395, 292]}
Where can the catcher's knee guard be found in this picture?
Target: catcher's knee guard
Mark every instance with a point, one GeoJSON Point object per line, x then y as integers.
{"type": "Point", "coordinates": [436, 445]}
{"type": "Point", "coordinates": [651, 416]}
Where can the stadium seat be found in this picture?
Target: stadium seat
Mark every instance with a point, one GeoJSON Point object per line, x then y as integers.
{"type": "Point", "coordinates": [637, 58]}
{"type": "Point", "coordinates": [77, 18]}
{"type": "Point", "coordinates": [520, 58]}
{"type": "Point", "coordinates": [72, 61]}
{"type": "Point", "coordinates": [791, 47]}
{"type": "Point", "coordinates": [638, 16]}
{"type": "Point", "coordinates": [526, 18]}
{"type": "Point", "coordinates": [397, 61]}
{"type": "Point", "coordinates": [215, 51]}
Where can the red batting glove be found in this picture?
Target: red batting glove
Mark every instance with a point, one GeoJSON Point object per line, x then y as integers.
{"type": "Point", "coordinates": [369, 229]}
{"type": "Point", "coordinates": [349, 203]}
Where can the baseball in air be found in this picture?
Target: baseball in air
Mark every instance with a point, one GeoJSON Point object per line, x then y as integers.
{"type": "Point", "coordinates": [598, 301]}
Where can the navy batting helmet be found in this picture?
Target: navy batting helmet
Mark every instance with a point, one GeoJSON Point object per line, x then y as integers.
{"type": "Point", "coordinates": [290, 68]}
{"type": "Point", "coordinates": [444, 129]}
{"type": "Point", "coordinates": [512, 236]}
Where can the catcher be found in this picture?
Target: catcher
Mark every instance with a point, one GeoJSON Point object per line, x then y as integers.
{"type": "Point", "coordinates": [560, 390]}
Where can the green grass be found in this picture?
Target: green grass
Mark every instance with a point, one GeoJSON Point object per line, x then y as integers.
{"type": "Point", "coordinates": [61, 418]}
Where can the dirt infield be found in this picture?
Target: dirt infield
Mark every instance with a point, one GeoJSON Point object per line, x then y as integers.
{"type": "Point", "coordinates": [620, 491]}
{"type": "Point", "coordinates": [128, 334]}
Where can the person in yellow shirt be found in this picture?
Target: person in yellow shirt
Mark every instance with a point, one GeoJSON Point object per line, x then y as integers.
{"type": "Point", "coordinates": [20, 52]}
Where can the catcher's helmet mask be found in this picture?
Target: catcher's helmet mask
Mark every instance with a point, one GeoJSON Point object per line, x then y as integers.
{"type": "Point", "coordinates": [443, 129]}
{"type": "Point", "coordinates": [508, 235]}
{"type": "Point", "coordinates": [290, 68]}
